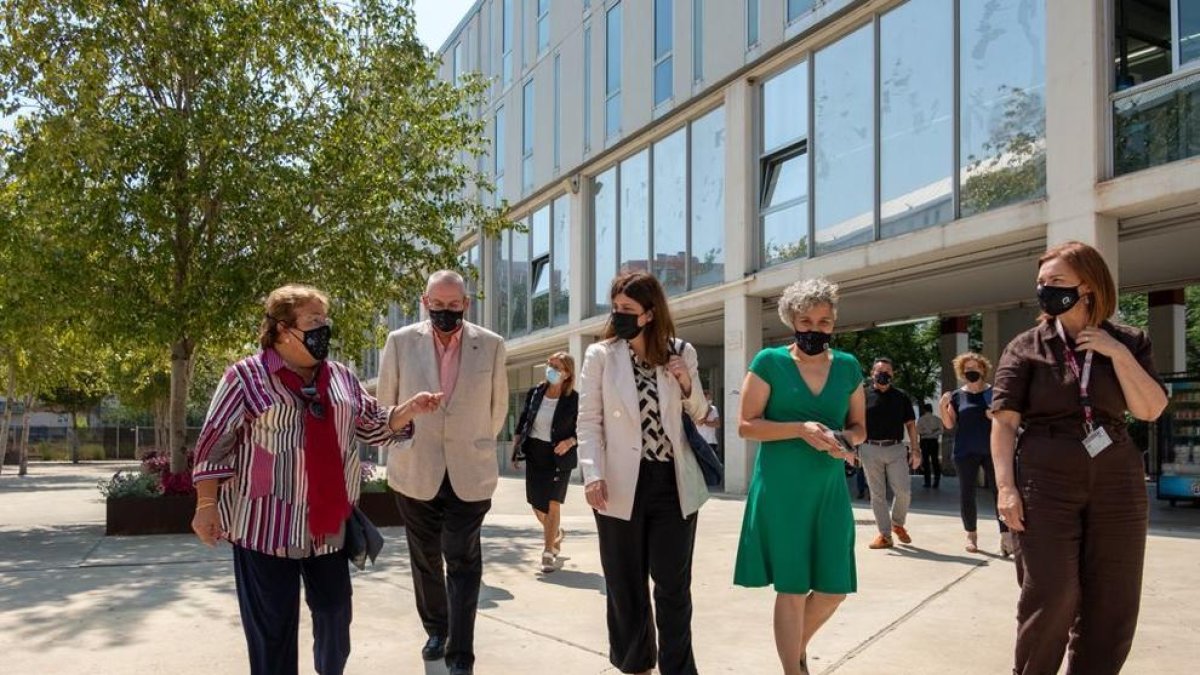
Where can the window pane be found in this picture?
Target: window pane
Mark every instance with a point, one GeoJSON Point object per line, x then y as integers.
{"type": "Point", "coordinates": [561, 259]}
{"type": "Point", "coordinates": [916, 116]}
{"type": "Point", "coordinates": [458, 64]}
{"type": "Point", "coordinates": [670, 212]}
{"type": "Point", "coordinates": [797, 7]}
{"type": "Point", "coordinates": [844, 145]}
{"type": "Point", "coordinates": [785, 234]}
{"type": "Point", "coordinates": [540, 283]}
{"type": "Point", "coordinates": [520, 283]}
{"type": "Point", "coordinates": [785, 107]}
{"type": "Point", "coordinates": [612, 51]}
{"type": "Point", "coordinates": [635, 212]}
{"type": "Point", "coordinates": [751, 23]}
{"type": "Point", "coordinates": [708, 199]}
{"type": "Point", "coordinates": [1003, 103]}
{"type": "Point", "coordinates": [1189, 30]}
{"type": "Point", "coordinates": [663, 23]}
{"type": "Point", "coordinates": [604, 213]}
{"type": "Point", "coordinates": [587, 86]}
{"type": "Point", "coordinates": [786, 181]}
{"type": "Point", "coordinates": [502, 282]}
{"type": "Point", "coordinates": [527, 118]}
{"type": "Point", "coordinates": [697, 40]}
{"type": "Point", "coordinates": [557, 111]}
{"type": "Point", "coordinates": [663, 74]}
{"type": "Point", "coordinates": [498, 142]}
{"type": "Point", "coordinates": [506, 39]}
{"type": "Point", "coordinates": [612, 116]}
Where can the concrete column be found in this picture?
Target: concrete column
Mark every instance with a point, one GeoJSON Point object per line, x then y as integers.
{"type": "Point", "coordinates": [743, 340]}
{"type": "Point", "coordinates": [740, 172]}
{"type": "Point", "coordinates": [1168, 330]}
{"type": "Point", "coordinates": [1078, 133]}
{"type": "Point", "coordinates": [953, 341]}
{"type": "Point", "coordinates": [577, 344]}
{"type": "Point", "coordinates": [1000, 327]}
{"type": "Point", "coordinates": [579, 283]}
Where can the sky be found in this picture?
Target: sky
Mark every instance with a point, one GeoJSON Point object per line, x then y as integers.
{"type": "Point", "coordinates": [436, 18]}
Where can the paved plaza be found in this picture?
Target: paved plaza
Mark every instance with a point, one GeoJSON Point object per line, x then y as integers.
{"type": "Point", "coordinates": [74, 601]}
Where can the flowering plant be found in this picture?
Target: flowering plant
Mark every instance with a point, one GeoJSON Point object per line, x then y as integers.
{"type": "Point", "coordinates": [373, 480]}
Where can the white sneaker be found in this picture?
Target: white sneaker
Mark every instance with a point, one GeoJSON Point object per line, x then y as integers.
{"type": "Point", "coordinates": [549, 562]}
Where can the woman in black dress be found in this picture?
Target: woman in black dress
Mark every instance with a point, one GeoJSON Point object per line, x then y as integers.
{"type": "Point", "coordinates": [545, 441]}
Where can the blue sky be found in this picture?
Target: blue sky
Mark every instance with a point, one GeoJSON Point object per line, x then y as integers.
{"type": "Point", "coordinates": [436, 18]}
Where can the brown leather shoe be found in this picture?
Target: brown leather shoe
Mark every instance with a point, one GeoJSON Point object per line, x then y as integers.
{"type": "Point", "coordinates": [902, 534]}
{"type": "Point", "coordinates": [881, 541]}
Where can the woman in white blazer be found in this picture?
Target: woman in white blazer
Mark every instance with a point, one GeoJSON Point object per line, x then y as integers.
{"type": "Point", "coordinates": [642, 479]}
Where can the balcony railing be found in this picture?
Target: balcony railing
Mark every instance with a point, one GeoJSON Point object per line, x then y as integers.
{"type": "Point", "coordinates": [1156, 123]}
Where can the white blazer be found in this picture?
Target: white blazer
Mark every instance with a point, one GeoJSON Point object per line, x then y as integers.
{"type": "Point", "coordinates": [460, 437]}
{"type": "Point", "coordinates": [610, 427]}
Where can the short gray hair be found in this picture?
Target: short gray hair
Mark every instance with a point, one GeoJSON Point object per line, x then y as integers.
{"type": "Point", "coordinates": [804, 295]}
{"type": "Point", "coordinates": [446, 276]}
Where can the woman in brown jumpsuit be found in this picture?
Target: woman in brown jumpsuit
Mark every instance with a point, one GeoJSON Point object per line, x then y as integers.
{"type": "Point", "coordinates": [1075, 496]}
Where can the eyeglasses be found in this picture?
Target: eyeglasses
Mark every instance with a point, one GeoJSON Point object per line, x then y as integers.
{"type": "Point", "coordinates": [315, 408]}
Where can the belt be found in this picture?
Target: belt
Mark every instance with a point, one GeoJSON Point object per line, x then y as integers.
{"type": "Point", "coordinates": [884, 443]}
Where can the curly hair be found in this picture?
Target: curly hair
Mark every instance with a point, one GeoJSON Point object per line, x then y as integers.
{"type": "Point", "coordinates": [961, 361]}
{"type": "Point", "coordinates": [805, 294]}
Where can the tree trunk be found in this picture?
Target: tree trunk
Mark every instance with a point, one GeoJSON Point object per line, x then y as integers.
{"type": "Point", "coordinates": [23, 467]}
{"type": "Point", "coordinates": [73, 437]}
{"type": "Point", "coordinates": [181, 357]}
{"type": "Point", "coordinates": [6, 425]}
{"type": "Point", "coordinates": [161, 407]}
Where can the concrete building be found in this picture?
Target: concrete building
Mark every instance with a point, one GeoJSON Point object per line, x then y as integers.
{"type": "Point", "coordinates": [921, 153]}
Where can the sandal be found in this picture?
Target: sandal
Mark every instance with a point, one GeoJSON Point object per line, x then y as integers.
{"type": "Point", "coordinates": [558, 539]}
{"type": "Point", "coordinates": [1006, 544]}
{"type": "Point", "coordinates": [972, 542]}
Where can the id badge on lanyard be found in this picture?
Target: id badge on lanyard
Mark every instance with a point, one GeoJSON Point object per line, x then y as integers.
{"type": "Point", "coordinates": [1097, 439]}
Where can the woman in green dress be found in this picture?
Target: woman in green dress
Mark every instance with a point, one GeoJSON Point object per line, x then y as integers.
{"type": "Point", "coordinates": [798, 529]}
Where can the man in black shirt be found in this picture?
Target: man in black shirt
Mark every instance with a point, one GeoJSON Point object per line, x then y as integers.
{"type": "Point", "coordinates": [885, 457]}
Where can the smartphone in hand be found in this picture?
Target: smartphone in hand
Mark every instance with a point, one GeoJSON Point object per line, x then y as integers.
{"type": "Point", "coordinates": [845, 443]}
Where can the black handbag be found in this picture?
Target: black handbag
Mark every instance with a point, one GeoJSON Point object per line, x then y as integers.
{"type": "Point", "coordinates": [363, 539]}
{"type": "Point", "coordinates": [706, 457]}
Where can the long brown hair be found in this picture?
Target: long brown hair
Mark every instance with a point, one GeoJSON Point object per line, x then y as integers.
{"type": "Point", "coordinates": [644, 289]}
{"type": "Point", "coordinates": [568, 364]}
{"type": "Point", "coordinates": [1093, 271]}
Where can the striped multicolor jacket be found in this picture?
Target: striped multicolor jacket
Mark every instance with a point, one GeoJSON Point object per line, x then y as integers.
{"type": "Point", "coordinates": [252, 441]}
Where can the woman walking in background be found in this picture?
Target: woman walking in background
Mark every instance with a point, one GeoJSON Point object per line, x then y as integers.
{"type": "Point", "coordinates": [642, 478]}
{"type": "Point", "coordinates": [545, 441]}
{"type": "Point", "coordinates": [798, 528]}
{"type": "Point", "coordinates": [1076, 497]}
{"type": "Point", "coordinates": [967, 411]}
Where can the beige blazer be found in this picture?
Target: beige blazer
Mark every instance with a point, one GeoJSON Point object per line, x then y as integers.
{"type": "Point", "coordinates": [460, 437]}
{"type": "Point", "coordinates": [610, 427]}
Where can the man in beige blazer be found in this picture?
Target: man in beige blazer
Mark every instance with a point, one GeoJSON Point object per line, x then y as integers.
{"type": "Point", "coordinates": [444, 481]}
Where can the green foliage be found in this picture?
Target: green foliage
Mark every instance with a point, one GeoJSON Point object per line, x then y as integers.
{"type": "Point", "coordinates": [130, 484]}
{"type": "Point", "coordinates": [1013, 168]}
{"type": "Point", "coordinates": [913, 349]}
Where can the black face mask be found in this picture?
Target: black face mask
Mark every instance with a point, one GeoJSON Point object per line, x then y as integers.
{"type": "Point", "coordinates": [973, 376]}
{"type": "Point", "coordinates": [1056, 300]}
{"type": "Point", "coordinates": [625, 325]}
{"type": "Point", "coordinates": [812, 342]}
{"type": "Point", "coordinates": [316, 342]}
{"type": "Point", "coordinates": [883, 379]}
{"type": "Point", "coordinates": [446, 320]}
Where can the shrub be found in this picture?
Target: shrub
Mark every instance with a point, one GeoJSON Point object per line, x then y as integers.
{"type": "Point", "coordinates": [130, 484]}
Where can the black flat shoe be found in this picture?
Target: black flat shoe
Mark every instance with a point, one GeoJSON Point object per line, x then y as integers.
{"type": "Point", "coordinates": [434, 649]}
{"type": "Point", "coordinates": [461, 669]}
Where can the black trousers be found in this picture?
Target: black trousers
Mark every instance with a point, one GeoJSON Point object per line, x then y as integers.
{"type": "Point", "coordinates": [968, 474]}
{"type": "Point", "coordinates": [656, 543]}
{"type": "Point", "coordinates": [931, 461]}
{"type": "Point", "coordinates": [268, 589]}
{"type": "Point", "coordinates": [446, 527]}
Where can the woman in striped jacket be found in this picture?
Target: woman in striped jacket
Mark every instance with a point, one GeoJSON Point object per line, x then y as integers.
{"type": "Point", "coordinates": [277, 473]}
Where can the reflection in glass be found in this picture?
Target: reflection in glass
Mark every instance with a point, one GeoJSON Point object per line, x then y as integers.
{"type": "Point", "coordinates": [527, 131]}
{"type": "Point", "coordinates": [520, 284]}
{"type": "Point", "coordinates": [1189, 30]}
{"type": "Point", "coordinates": [502, 258]}
{"type": "Point", "coordinates": [708, 199]}
{"type": "Point", "coordinates": [844, 146]}
{"type": "Point", "coordinates": [751, 23]}
{"type": "Point", "coordinates": [561, 261]}
{"type": "Point", "coordinates": [670, 212]}
{"type": "Point", "coordinates": [916, 116]}
{"type": "Point", "coordinates": [785, 109]}
{"type": "Point", "coordinates": [635, 212]}
{"type": "Point", "coordinates": [795, 8]}
{"type": "Point", "coordinates": [785, 209]}
{"type": "Point", "coordinates": [540, 268]}
{"type": "Point", "coordinates": [1003, 103]}
{"type": "Point", "coordinates": [612, 71]}
{"type": "Point", "coordinates": [663, 46]}
{"type": "Point", "coordinates": [604, 212]}
{"type": "Point", "coordinates": [1157, 125]}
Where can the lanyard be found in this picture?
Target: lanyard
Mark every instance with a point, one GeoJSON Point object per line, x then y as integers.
{"type": "Point", "coordinates": [1083, 378]}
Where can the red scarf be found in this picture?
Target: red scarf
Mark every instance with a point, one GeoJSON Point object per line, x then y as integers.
{"type": "Point", "coordinates": [328, 503]}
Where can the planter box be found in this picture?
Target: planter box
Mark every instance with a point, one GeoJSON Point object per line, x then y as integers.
{"type": "Point", "coordinates": [169, 514]}
{"type": "Point", "coordinates": [380, 508]}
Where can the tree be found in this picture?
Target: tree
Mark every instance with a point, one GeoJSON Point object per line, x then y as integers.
{"type": "Point", "coordinates": [1013, 166]}
{"type": "Point", "coordinates": [201, 154]}
{"type": "Point", "coordinates": [76, 392]}
{"type": "Point", "coordinates": [913, 349]}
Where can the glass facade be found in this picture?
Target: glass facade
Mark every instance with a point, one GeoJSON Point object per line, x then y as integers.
{"type": "Point", "coordinates": [506, 40]}
{"type": "Point", "coordinates": [587, 87]}
{"type": "Point", "coordinates": [604, 233]}
{"type": "Point", "coordinates": [612, 71]}
{"type": "Point", "coordinates": [560, 261]}
{"type": "Point", "coordinates": [519, 290]}
{"type": "Point", "coordinates": [539, 268]}
{"type": "Point", "coordinates": [557, 112]}
{"type": "Point", "coordinates": [670, 212]}
{"type": "Point", "coordinates": [527, 133]}
{"type": "Point", "coordinates": [543, 26]}
{"type": "Point", "coordinates": [664, 45]}
{"type": "Point", "coordinates": [783, 196]}
{"type": "Point", "coordinates": [1188, 19]}
{"type": "Point", "coordinates": [797, 8]}
{"type": "Point", "coordinates": [706, 254]}
{"type": "Point", "coordinates": [634, 216]}
{"type": "Point", "coordinates": [916, 116]}
{"type": "Point", "coordinates": [697, 40]}
{"type": "Point", "coordinates": [498, 152]}
{"type": "Point", "coordinates": [751, 23]}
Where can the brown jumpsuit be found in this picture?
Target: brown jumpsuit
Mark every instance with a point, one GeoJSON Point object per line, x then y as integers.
{"type": "Point", "coordinates": [1079, 561]}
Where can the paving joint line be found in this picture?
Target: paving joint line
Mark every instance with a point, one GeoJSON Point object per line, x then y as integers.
{"type": "Point", "coordinates": [891, 627]}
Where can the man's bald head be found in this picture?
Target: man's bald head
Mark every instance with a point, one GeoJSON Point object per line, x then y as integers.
{"type": "Point", "coordinates": [446, 278]}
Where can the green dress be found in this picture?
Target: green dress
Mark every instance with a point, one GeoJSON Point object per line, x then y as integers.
{"type": "Point", "coordinates": [798, 529]}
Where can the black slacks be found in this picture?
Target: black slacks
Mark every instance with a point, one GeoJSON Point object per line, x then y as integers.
{"type": "Point", "coordinates": [448, 528]}
{"type": "Point", "coordinates": [968, 474]}
{"type": "Point", "coordinates": [931, 461]}
{"type": "Point", "coordinates": [268, 589]}
{"type": "Point", "coordinates": [656, 543]}
{"type": "Point", "coordinates": [1079, 560]}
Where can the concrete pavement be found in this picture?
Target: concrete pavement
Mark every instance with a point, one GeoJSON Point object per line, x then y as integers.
{"type": "Point", "coordinates": [74, 601]}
